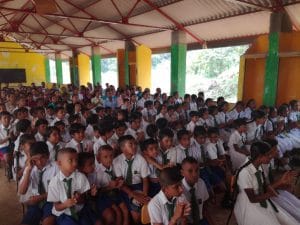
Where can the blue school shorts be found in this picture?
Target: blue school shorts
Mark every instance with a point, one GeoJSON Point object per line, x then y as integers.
{"type": "Point", "coordinates": [34, 214]}
{"type": "Point", "coordinates": [107, 199]}
{"type": "Point", "coordinates": [85, 217]}
{"type": "Point", "coordinates": [130, 205]}
{"type": "Point", "coordinates": [212, 176]}
{"type": "Point", "coordinates": [154, 188]}
{"type": "Point", "coordinates": [4, 150]}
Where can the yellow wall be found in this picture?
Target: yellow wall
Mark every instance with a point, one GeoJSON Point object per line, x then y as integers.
{"type": "Point", "coordinates": [143, 66]}
{"type": "Point", "coordinates": [84, 69]}
{"type": "Point", "coordinates": [33, 63]}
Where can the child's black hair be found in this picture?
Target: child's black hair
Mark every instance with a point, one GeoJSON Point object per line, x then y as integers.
{"type": "Point", "coordinates": [181, 133]}
{"type": "Point", "coordinates": [272, 142]}
{"type": "Point", "coordinates": [202, 111]}
{"type": "Point", "coordinates": [258, 114]}
{"type": "Point", "coordinates": [73, 117]}
{"type": "Point", "coordinates": [59, 123]}
{"type": "Point", "coordinates": [5, 113]}
{"type": "Point", "coordinates": [151, 131]}
{"type": "Point", "coordinates": [66, 151]}
{"type": "Point", "coordinates": [239, 122]}
{"type": "Point", "coordinates": [145, 144]}
{"type": "Point", "coordinates": [161, 123]}
{"type": "Point", "coordinates": [190, 160]}
{"type": "Point", "coordinates": [92, 119]}
{"type": "Point", "coordinates": [199, 131]}
{"type": "Point", "coordinates": [49, 131]}
{"type": "Point", "coordinates": [99, 108]}
{"type": "Point", "coordinates": [105, 148]}
{"type": "Point", "coordinates": [122, 140]}
{"type": "Point", "coordinates": [118, 124]}
{"type": "Point", "coordinates": [57, 109]}
{"type": "Point", "coordinates": [169, 176]}
{"type": "Point", "coordinates": [105, 127]}
{"type": "Point", "coordinates": [193, 113]}
{"type": "Point", "coordinates": [148, 103]}
{"type": "Point", "coordinates": [39, 147]}
{"type": "Point", "coordinates": [212, 130]}
{"type": "Point", "coordinates": [23, 125]}
{"type": "Point", "coordinates": [212, 109]}
{"type": "Point", "coordinates": [134, 116]}
{"type": "Point", "coordinates": [26, 138]}
{"type": "Point", "coordinates": [83, 157]}
{"type": "Point", "coordinates": [166, 132]}
{"type": "Point", "coordinates": [76, 128]}
{"type": "Point", "coordinates": [41, 122]}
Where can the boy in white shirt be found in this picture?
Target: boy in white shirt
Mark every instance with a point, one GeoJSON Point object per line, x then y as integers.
{"type": "Point", "coordinates": [183, 150]}
{"type": "Point", "coordinates": [52, 136]}
{"type": "Point", "coordinates": [196, 193]}
{"type": "Point", "coordinates": [135, 127]}
{"type": "Point", "coordinates": [41, 126]}
{"type": "Point", "coordinates": [133, 168]}
{"type": "Point", "coordinates": [34, 186]}
{"type": "Point", "coordinates": [194, 115]}
{"type": "Point", "coordinates": [169, 206]}
{"type": "Point", "coordinates": [106, 130]}
{"type": "Point", "coordinates": [67, 190]}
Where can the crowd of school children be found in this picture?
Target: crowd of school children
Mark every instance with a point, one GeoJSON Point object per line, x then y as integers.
{"type": "Point", "coordinates": [93, 155]}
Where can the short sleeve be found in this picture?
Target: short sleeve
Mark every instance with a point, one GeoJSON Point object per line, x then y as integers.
{"type": "Point", "coordinates": [84, 184]}
{"type": "Point", "coordinates": [53, 192]}
{"type": "Point", "coordinates": [244, 179]}
{"type": "Point", "coordinates": [211, 153]}
{"type": "Point", "coordinates": [117, 168]}
{"type": "Point", "coordinates": [155, 212]}
{"type": "Point", "coordinates": [144, 168]}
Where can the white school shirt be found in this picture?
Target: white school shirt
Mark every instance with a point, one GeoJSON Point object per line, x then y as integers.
{"type": "Point", "coordinates": [247, 113]}
{"type": "Point", "coordinates": [197, 151]}
{"type": "Point", "coordinates": [4, 132]}
{"type": "Point", "coordinates": [236, 158]}
{"type": "Point", "coordinates": [133, 132]}
{"type": "Point", "coordinates": [141, 102]}
{"type": "Point", "coordinates": [160, 115]}
{"type": "Point", "coordinates": [294, 116]}
{"type": "Point", "coordinates": [145, 112]}
{"type": "Point", "coordinates": [171, 157]}
{"type": "Point", "coordinates": [180, 154]}
{"type": "Point", "coordinates": [50, 170]}
{"type": "Point", "coordinates": [221, 118]}
{"type": "Point", "coordinates": [52, 152]}
{"type": "Point", "coordinates": [50, 118]}
{"type": "Point", "coordinates": [100, 142]}
{"type": "Point", "coordinates": [157, 208]}
{"type": "Point", "coordinates": [140, 168]}
{"type": "Point", "coordinates": [254, 132]}
{"type": "Point", "coordinates": [87, 145]}
{"type": "Point", "coordinates": [202, 122]}
{"type": "Point", "coordinates": [193, 106]}
{"type": "Point", "coordinates": [89, 132]}
{"type": "Point", "coordinates": [212, 151]}
{"type": "Point", "coordinates": [57, 190]}
{"type": "Point", "coordinates": [200, 192]}
{"type": "Point", "coordinates": [234, 114]}
{"type": "Point", "coordinates": [17, 142]}
{"type": "Point", "coordinates": [56, 120]}
{"type": "Point", "coordinates": [212, 121]}
{"type": "Point", "coordinates": [191, 126]}
{"type": "Point", "coordinates": [100, 178]}
{"type": "Point", "coordinates": [21, 163]}
{"type": "Point", "coordinates": [39, 137]}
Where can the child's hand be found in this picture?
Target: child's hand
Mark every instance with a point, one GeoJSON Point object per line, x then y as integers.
{"type": "Point", "coordinates": [34, 199]}
{"type": "Point", "coordinates": [94, 190]}
{"type": "Point", "coordinates": [179, 211]}
{"type": "Point", "coordinates": [272, 191]}
{"type": "Point", "coordinates": [70, 202]}
{"type": "Point", "coordinates": [187, 209]}
{"type": "Point", "coordinates": [113, 184]}
{"type": "Point", "coordinates": [120, 182]}
{"type": "Point", "coordinates": [141, 198]}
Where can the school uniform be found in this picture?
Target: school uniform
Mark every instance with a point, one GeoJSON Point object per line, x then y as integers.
{"type": "Point", "coordinates": [222, 118]}
{"type": "Point", "coordinates": [212, 121]}
{"type": "Point", "coordinates": [4, 133]}
{"type": "Point", "coordinates": [234, 114]}
{"type": "Point", "coordinates": [196, 195]}
{"type": "Point", "coordinates": [57, 120]}
{"type": "Point", "coordinates": [19, 161]}
{"type": "Point", "coordinates": [133, 177]}
{"type": "Point", "coordinates": [53, 150]}
{"type": "Point", "coordinates": [66, 137]}
{"type": "Point", "coordinates": [100, 142]}
{"type": "Point", "coordinates": [237, 158]}
{"type": "Point", "coordinates": [191, 126]}
{"type": "Point", "coordinates": [265, 212]}
{"type": "Point", "coordinates": [148, 113]}
{"type": "Point", "coordinates": [161, 210]}
{"type": "Point", "coordinates": [181, 153]}
{"type": "Point", "coordinates": [84, 146]}
{"type": "Point", "coordinates": [160, 115]}
{"type": "Point", "coordinates": [50, 118]}
{"type": "Point", "coordinates": [62, 188]}
{"type": "Point", "coordinates": [141, 102]}
{"type": "Point", "coordinates": [133, 132]}
{"type": "Point", "coordinates": [247, 113]}
{"type": "Point", "coordinates": [89, 132]}
{"type": "Point", "coordinates": [17, 142]}
{"type": "Point", "coordinates": [202, 122]}
{"type": "Point", "coordinates": [39, 137]}
{"type": "Point", "coordinates": [254, 131]}
{"type": "Point", "coordinates": [38, 185]}
{"type": "Point", "coordinates": [166, 157]}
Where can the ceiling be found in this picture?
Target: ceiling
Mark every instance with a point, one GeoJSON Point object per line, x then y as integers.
{"type": "Point", "coordinates": [66, 25]}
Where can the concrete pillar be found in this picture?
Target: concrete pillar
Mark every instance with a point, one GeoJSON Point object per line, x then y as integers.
{"type": "Point", "coordinates": [83, 69]}
{"type": "Point", "coordinates": [74, 68]}
{"type": "Point", "coordinates": [178, 62]}
{"type": "Point", "coordinates": [58, 66]}
{"type": "Point", "coordinates": [96, 64]}
{"type": "Point", "coordinates": [143, 66]}
{"type": "Point", "coordinates": [47, 69]}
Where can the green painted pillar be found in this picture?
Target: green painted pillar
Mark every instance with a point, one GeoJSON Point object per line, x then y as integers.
{"type": "Point", "coordinates": [74, 68]}
{"type": "Point", "coordinates": [96, 65]}
{"type": "Point", "coordinates": [59, 71]}
{"type": "Point", "coordinates": [47, 69]}
{"type": "Point", "coordinates": [178, 62]}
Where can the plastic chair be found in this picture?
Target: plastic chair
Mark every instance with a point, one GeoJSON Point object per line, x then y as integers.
{"type": "Point", "coordinates": [145, 219]}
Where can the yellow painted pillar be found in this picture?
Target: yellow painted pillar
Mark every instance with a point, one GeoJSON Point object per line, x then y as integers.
{"type": "Point", "coordinates": [84, 69]}
{"type": "Point", "coordinates": [143, 66]}
{"type": "Point", "coordinates": [241, 78]}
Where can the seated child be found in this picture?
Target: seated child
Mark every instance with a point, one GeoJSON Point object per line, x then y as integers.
{"type": "Point", "coordinates": [169, 206]}
{"type": "Point", "coordinates": [78, 141]}
{"type": "Point", "coordinates": [41, 126]}
{"type": "Point", "coordinates": [106, 130]}
{"type": "Point", "coordinates": [194, 115]}
{"type": "Point", "coordinates": [183, 149]}
{"type": "Point", "coordinates": [133, 168]}
{"type": "Point", "coordinates": [195, 191]}
{"type": "Point", "coordinates": [52, 135]}
{"type": "Point", "coordinates": [67, 190]}
{"type": "Point", "coordinates": [165, 156]}
{"type": "Point", "coordinates": [34, 185]}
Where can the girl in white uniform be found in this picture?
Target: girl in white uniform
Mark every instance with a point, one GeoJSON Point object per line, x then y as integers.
{"type": "Point", "coordinates": [253, 205]}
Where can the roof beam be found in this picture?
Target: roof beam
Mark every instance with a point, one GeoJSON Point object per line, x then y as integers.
{"type": "Point", "coordinates": [178, 25]}
{"type": "Point", "coordinates": [250, 4]}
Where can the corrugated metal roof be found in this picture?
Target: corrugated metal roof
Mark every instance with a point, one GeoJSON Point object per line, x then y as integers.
{"type": "Point", "coordinates": [84, 23]}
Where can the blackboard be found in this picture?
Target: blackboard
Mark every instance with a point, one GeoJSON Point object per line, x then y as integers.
{"type": "Point", "coordinates": [12, 76]}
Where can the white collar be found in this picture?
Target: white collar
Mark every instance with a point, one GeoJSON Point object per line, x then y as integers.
{"type": "Point", "coordinates": [186, 185]}
{"type": "Point", "coordinates": [103, 168]}
{"type": "Point", "coordinates": [163, 197]}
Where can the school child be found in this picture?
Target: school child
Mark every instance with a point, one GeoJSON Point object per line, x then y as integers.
{"type": "Point", "coordinates": [53, 142]}
{"type": "Point", "coordinates": [120, 128]}
{"type": "Point", "coordinates": [22, 127]}
{"type": "Point", "coordinates": [169, 206]}
{"type": "Point", "coordinates": [91, 120]}
{"type": "Point", "coordinates": [254, 127]}
{"type": "Point", "coordinates": [6, 138]}
{"type": "Point", "coordinates": [78, 141]}
{"type": "Point", "coordinates": [171, 115]}
{"type": "Point", "coordinates": [150, 152]}
{"type": "Point", "coordinates": [109, 200]}
{"type": "Point", "coordinates": [183, 150]}
{"type": "Point", "coordinates": [100, 111]}
{"type": "Point", "coordinates": [19, 114]}
{"type": "Point", "coordinates": [250, 107]}
{"type": "Point", "coordinates": [41, 126]}
{"type": "Point", "coordinates": [64, 134]}
{"type": "Point", "coordinates": [133, 168]}
{"type": "Point", "coordinates": [106, 130]}
{"type": "Point", "coordinates": [34, 185]}
{"type": "Point", "coordinates": [165, 156]}
{"type": "Point", "coordinates": [194, 115]}
{"type": "Point", "coordinates": [237, 111]}
{"type": "Point", "coordinates": [212, 118]}
{"type": "Point", "coordinates": [37, 113]}
{"type": "Point", "coordinates": [50, 115]}
{"type": "Point", "coordinates": [195, 191]}
{"type": "Point", "coordinates": [294, 122]}
{"type": "Point", "coordinates": [161, 112]}
{"type": "Point", "coordinates": [148, 112]}
{"type": "Point", "coordinates": [151, 131]}
{"type": "Point", "coordinates": [60, 115]}
{"type": "Point", "coordinates": [237, 144]}
{"type": "Point", "coordinates": [203, 118]}
{"type": "Point", "coordinates": [223, 121]}
{"type": "Point", "coordinates": [67, 190]}
{"type": "Point", "coordinates": [253, 204]}
{"type": "Point", "coordinates": [135, 127]}
{"type": "Point", "coordinates": [21, 156]}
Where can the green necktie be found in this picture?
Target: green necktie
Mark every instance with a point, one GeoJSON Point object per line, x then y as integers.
{"type": "Point", "coordinates": [171, 208]}
{"type": "Point", "coordinates": [195, 207]}
{"type": "Point", "coordinates": [110, 173]}
{"type": "Point", "coordinates": [258, 175]}
{"type": "Point", "coordinates": [186, 151]}
{"type": "Point", "coordinates": [56, 148]}
{"type": "Point", "coordinates": [69, 195]}
{"type": "Point", "coordinates": [41, 188]}
{"type": "Point", "coordinates": [164, 157]}
{"type": "Point", "coordinates": [218, 151]}
{"type": "Point", "coordinates": [203, 153]}
{"type": "Point", "coordinates": [128, 179]}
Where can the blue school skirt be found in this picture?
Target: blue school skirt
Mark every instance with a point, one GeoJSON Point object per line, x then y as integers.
{"type": "Point", "coordinates": [4, 150]}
